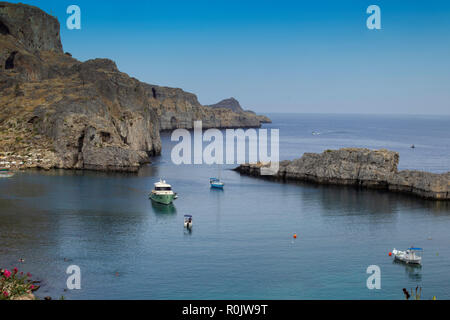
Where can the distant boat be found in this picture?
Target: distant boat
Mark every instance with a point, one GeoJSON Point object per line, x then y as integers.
{"type": "Point", "coordinates": [216, 183]}
{"type": "Point", "coordinates": [413, 147]}
{"type": "Point", "coordinates": [409, 256]}
{"type": "Point", "coordinates": [5, 173]}
{"type": "Point", "coordinates": [162, 193]}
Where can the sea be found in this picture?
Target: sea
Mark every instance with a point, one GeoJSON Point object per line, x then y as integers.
{"type": "Point", "coordinates": [242, 243]}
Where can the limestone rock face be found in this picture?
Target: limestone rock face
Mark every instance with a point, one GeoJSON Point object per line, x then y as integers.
{"type": "Point", "coordinates": [31, 27]}
{"type": "Point", "coordinates": [425, 184]}
{"type": "Point", "coordinates": [180, 109]}
{"type": "Point", "coordinates": [360, 167]}
{"type": "Point", "coordinates": [348, 166]}
{"type": "Point", "coordinates": [89, 115]}
{"type": "Point", "coordinates": [58, 112]}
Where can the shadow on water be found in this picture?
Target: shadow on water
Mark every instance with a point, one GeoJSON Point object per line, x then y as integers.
{"type": "Point", "coordinates": [354, 200]}
{"type": "Point", "coordinates": [78, 173]}
{"type": "Point", "coordinates": [19, 188]}
{"type": "Point", "coordinates": [187, 232]}
{"type": "Point", "coordinates": [151, 170]}
{"type": "Point", "coordinates": [414, 271]}
{"type": "Point", "coordinates": [217, 195]}
{"type": "Point", "coordinates": [162, 210]}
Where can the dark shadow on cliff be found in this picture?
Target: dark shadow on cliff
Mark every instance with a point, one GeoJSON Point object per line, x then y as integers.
{"type": "Point", "coordinates": [4, 30]}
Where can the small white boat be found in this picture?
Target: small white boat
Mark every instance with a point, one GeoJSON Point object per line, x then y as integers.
{"type": "Point", "coordinates": [410, 256]}
{"type": "Point", "coordinates": [188, 221]}
{"type": "Point", "coordinates": [4, 173]}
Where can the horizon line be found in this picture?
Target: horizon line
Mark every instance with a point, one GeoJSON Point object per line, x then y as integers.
{"type": "Point", "coordinates": [363, 114]}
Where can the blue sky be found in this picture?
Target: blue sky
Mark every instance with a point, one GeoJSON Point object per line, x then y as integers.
{"type": "Point", "coordinates": [275, 56]}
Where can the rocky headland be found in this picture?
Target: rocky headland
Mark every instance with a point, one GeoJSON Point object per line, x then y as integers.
{"type": "Point", "coordinates": [234, 105]}
{"type": "Point", "coordinates": [358, 167]}
{"type": "Point", "coordinates": [58, 112]}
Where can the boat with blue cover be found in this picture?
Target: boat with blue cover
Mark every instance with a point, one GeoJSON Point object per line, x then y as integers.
{"type": "Point", "coordinates": [216, 183]}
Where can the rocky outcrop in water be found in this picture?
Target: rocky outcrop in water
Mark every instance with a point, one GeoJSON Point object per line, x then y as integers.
{"type": "Point", "coordinates": [58, 112]}
{"type": "Point", "coordinates": [359, 167]}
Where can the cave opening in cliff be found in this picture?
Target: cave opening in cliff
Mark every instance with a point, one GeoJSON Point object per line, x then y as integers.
{"type": "Point", "coordinates": [154, 93]}
{"type": "Point", "coordinates": [4, 30]}
{"type": "Point", "coordinates": [174, 123]}
{"type": "Point", "coordinates": [9, 64]}
{"type": "Point", "coordinates": [81, 142]}
{"type": "Point", "coordinates": [106, 136]}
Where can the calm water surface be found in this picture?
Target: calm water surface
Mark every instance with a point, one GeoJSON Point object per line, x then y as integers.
{"type": "Point", "coordinates": [241, 246]}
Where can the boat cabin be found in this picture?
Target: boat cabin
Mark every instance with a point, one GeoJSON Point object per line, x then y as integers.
{"type": "Point", "coordinates": [162, 186]}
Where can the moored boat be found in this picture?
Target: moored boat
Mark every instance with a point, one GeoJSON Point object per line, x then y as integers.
{"type": "Point", "coordinates": [188, 221]}
{"type": "Point", "coordinates": [163, 193]}
{"type": "Point", "coordinates": [216, 183]}
{"type": "Point", "coordinates": [5, 173]}
{"type": "Point", "coordinates": [410, 256]}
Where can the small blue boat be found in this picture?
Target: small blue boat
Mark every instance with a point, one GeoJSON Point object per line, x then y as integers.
{"type": "Point", "coordinates": [215, 183]}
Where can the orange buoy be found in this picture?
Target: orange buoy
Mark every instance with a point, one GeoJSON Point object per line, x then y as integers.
{"type": "Point", "coordinates": [295, 236]}
{"type": "Point", "coordinates": [390, 254]}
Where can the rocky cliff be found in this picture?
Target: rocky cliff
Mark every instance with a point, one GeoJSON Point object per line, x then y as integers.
{"type": "Point", "coordinates": [179, 109]}
{"type": "Point", "coordinates": [359, 167]}
{"type": "Point", "coordinates": [230, 103]}
{"type": "Point", "coordinates": [234, 105]}
{"type": "Point", "coordinates": [58, 112]}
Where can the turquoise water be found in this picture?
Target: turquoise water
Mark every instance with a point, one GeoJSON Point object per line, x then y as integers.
{"type": "Point", "coordinates": [241, 246]}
